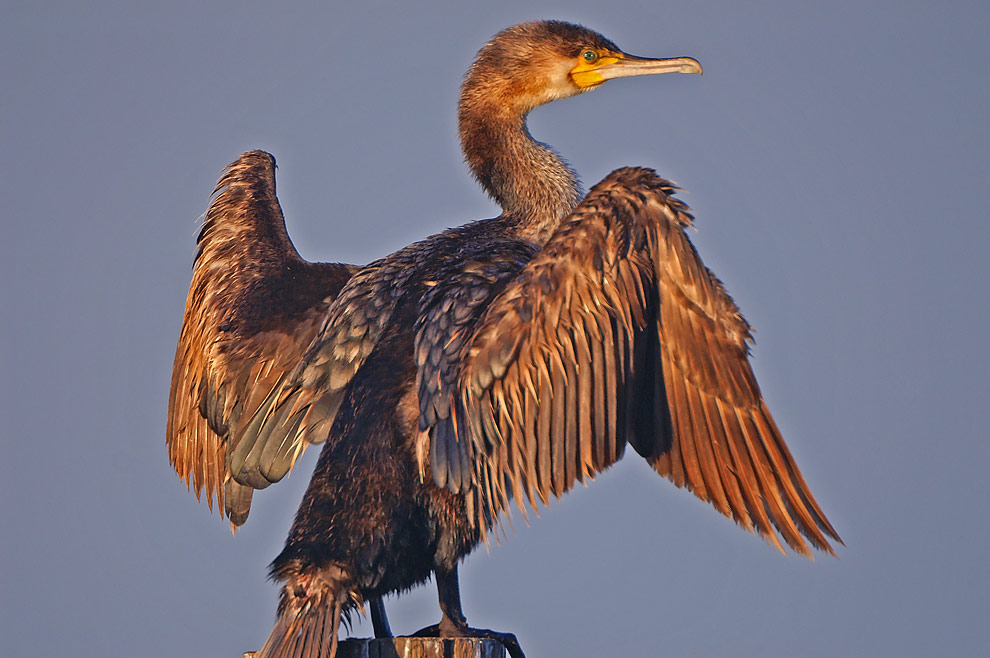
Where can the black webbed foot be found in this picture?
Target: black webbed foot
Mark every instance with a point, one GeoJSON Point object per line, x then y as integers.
{"type": "Point", "coordinates": [454, 624]}
{"type": "Point", "coordinates": [429, 631]}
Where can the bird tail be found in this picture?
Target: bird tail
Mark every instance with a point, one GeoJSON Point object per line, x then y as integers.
{"type": "Point", "coordinates": [309, 631]}
{"type": "Point", "coordinates": [310, 610]}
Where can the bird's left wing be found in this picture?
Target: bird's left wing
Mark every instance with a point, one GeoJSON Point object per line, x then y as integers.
{"type": "Point", "coordinates": [616, 332]}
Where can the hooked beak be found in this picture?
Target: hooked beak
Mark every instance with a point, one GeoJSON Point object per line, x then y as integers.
{"type": "Point", "coordinates": [632, 65]}
{"type": "Point", "coordinates": [621, 65]}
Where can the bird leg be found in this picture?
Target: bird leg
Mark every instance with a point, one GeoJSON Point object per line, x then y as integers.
{"type": "Point", "coordinates": [454, 624]}
{"type": "Point", "coordinates": [378, 619]}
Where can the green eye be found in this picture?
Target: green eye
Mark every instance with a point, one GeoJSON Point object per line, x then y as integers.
{"type": "Point", "coordinates": [589, 55]}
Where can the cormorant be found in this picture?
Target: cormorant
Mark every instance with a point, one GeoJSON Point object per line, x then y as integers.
{"type": "Point", "coordinates": [507, 358]}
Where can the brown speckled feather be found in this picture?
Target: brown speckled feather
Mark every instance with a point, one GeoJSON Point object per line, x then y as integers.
{"type": "Point", "coordinates": [636, 340]}
{"type": "Point", "coordinates": [254, 306]}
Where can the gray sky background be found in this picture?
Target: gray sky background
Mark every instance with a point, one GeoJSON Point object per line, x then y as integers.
{"type": "Point", "coordinates": [836, 155]}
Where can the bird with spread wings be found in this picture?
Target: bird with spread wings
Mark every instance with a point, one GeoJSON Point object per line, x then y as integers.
{"type": "Point", "coordinates": [506, 359]}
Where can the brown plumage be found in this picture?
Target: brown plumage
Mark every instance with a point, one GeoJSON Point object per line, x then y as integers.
{"type": "Point", "coordinates": [253, 306]}
{"type": "Point", "coordinates": [508, 358]}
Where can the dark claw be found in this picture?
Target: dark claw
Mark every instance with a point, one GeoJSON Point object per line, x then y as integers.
{"type": "Point", "coordinates": [453, 623]}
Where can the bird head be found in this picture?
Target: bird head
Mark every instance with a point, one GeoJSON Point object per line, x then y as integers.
{"type": "Point", "coordinates": [531, 64]}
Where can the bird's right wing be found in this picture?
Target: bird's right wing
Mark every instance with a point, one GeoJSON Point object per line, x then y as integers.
{"type": "Point", "coordinates": [253, 308]}
{"type": "Point", "coordinates": [616, 332]}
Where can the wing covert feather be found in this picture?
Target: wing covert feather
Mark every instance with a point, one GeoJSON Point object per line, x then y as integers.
{"type": "Point", "coordinates": [447, 313]}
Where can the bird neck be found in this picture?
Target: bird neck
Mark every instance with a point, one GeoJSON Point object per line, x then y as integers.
{"type": "Point", "coordinates": [532, 184]}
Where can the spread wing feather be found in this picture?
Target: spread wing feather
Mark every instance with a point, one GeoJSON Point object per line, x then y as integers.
{"type": "Point", "coordinates": [447, 313]}
{"type": "Point", "coordinates": [616, 332]}
{"type": "Point", "coordinates": [253, 308]}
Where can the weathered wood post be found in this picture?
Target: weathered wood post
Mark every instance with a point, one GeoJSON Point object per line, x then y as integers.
{"type": "Point", "coordinates": [420, 647]}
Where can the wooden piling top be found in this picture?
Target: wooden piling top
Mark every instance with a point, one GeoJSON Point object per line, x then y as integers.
{"type": "Point", "coordinates": [420, 647]}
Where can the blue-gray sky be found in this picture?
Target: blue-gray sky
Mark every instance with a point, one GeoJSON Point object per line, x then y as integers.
{"type": "Point", "coordinates": [836, 155]}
